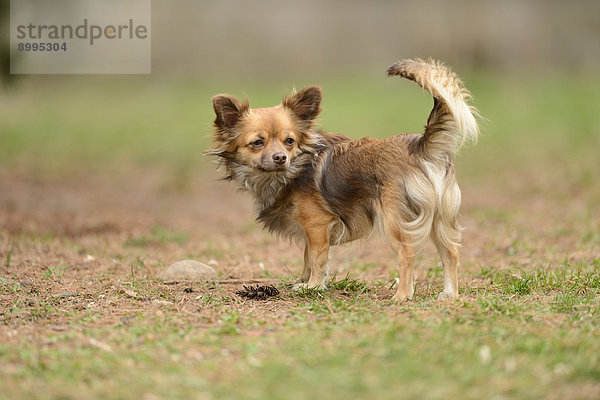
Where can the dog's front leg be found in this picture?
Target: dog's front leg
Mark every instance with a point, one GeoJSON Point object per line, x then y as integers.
{"type": "Point", "coordinates": [318, 254]}
{"type": "Point", "coordinates": [406, 260]}
{"type": "Point", "coordinates": [316, 257]}
{"type": "Point", "coordinates": [307, 266]}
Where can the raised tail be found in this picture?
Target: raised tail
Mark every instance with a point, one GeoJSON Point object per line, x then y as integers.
{"type": "Point", "coordinates": [451, 122]}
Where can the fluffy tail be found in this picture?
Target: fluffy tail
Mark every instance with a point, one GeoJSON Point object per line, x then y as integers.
{"type": "Point", "coordinates": [452, 121]}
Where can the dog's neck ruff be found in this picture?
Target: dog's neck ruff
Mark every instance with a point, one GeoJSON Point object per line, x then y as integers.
{"type": "Point", "coordinates": [266, 187]}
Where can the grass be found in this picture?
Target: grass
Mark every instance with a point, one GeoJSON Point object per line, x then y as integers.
{"type": "Point", "coordinates": [578, 279]}
{"type": "Point", "coordinates": [542, 343]}
{"type": "Point", "coordinates": [158, 235]}
{"type": "Point", "coordinates": [54, 272]}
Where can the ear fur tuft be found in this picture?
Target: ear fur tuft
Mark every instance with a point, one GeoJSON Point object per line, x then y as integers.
{"type": "Point", "coordinates": [228, 110]}
{"type": "Point", "coordinates": [305, 104]}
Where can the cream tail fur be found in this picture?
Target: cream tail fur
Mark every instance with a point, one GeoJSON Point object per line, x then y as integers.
{"type": "Point", "coordinates": [452, 121]}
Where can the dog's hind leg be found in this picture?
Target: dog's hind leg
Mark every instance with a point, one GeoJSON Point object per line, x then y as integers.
{"type": "Point", "coordinates": [449, 257]}
{"type": "Point", "coordinates": [406, 260]}
{"type": "Point", "coordinates": [405, 252]}
{"type": "Point", "coordinates": [405, 228]}
{"type": "Point", "coordinates": [446, 234]}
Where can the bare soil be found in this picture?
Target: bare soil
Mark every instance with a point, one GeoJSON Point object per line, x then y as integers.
{"type": "Point", "coordinates": [97, 242]}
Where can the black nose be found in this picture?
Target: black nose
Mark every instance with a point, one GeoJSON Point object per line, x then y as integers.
{"type": "Point", "coordinates": [279, 158]}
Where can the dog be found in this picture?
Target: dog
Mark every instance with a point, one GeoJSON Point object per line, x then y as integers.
{"type": "Point", "coordinates": [322, 189]}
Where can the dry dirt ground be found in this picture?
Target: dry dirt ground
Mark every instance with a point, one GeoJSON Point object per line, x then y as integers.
{"type": "Point", "coordinates": [80, 242]}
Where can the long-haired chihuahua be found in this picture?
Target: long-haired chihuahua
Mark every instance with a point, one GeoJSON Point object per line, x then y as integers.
{"type": "Point", "coordinates": [322, 189]}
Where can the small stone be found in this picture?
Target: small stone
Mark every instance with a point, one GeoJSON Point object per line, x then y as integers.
{"type": "Point", "coordinates": [162, 303]}
{"type": "Point", "coordinates": [101, 345]}
{"type": "Point", "coordinates": [485, 354]}
{"type": "Point", "coordinates": [130, 293]}
{"type": "Point", "coordinates": [213, 262]}
{"type": "Point", "coordinates": [64, 295]}
{"type": "Point", "coordinates": [187, 270]}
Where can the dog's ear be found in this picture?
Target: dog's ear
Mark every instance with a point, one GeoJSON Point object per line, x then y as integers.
{"type": "Point", "coordinates": [306, 103]}
{"type": "Point", "coordinates": [229, 110]}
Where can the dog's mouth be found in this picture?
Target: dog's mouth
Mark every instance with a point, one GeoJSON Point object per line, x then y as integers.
{"type": "Point", "coordinates": [273, 168]}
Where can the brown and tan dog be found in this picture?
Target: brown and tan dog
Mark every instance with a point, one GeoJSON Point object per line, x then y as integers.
{"type": "Point", "coordinates": [322, 189]}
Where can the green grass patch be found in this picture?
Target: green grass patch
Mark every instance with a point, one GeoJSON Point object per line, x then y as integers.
{"type": "Point", "coordinates": [489, 344]}
{"type": "Point", "coordinates": [105, 123]}
{"type": "Point", "coordinates": [578, 279]}
{"type": "Point", "coordinates": [158, 236]}
{"type": "Point", "coordinates": [348, 284]}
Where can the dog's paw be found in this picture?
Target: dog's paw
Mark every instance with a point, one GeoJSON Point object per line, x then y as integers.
{"type": "Point", "coordinates": [447, 296]}
{"type": "Point", "coordinates": [402, 297]}
{"type": "Point", "coordinates": [402, 294]}
{"type": "Point", "coordinates": [305, 286]}
{"type": "Point", "coordinates": [300, 286]}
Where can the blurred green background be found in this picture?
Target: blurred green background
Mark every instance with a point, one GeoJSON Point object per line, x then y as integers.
{"type": "Point", "coordinates": [532, 67]}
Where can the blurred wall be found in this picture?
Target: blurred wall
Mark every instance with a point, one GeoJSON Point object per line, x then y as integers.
{"type": "Point", "coordinates": [198, 37]}
{"type": "Point", "coordinates": [270, 36]}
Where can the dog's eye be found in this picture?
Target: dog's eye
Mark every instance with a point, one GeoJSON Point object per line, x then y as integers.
{"type": "Point", "coordinates": [257, 143]}
{"type": "Point", "coordinates": [289, 141]}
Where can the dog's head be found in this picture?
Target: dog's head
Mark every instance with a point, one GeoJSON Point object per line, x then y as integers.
{"type": "Point", "coordinates": [265, 140]}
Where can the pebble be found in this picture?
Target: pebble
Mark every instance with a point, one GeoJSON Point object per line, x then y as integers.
{"type": "Point", "coordinates": [64, 295]}
{"type": "Point", "coordinates": [187, 270]}
{"type": "Point", "coordinates": [161, 303]}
